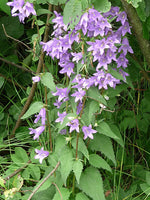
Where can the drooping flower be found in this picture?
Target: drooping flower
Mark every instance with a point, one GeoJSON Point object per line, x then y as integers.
{"type": "Point", "coordinates": [74, 125]}
{"type": "Point", "coordinates": [41, 154]}
{"type": "Point", "coordinates": [38, 131]}
{"type": "Point", "coordinates": [62, 93]}
{"type": "Point", "coordinates": [42, 115]}
{"type": "Point", "coordinates": [36, 79]}
{"type": "Point", "coordinates": [88, 131]}
{"type": "Point", "coordinates": [79, 95]}
{"type": "Point", "coordinates": [29, 9]}
{"type": "Point", "coordinates": [61, 117]}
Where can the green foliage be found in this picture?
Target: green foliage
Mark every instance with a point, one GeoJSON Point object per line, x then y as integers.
{"type": "Point", "coordinates": [72, 10]}
{"type": "Point", "coordinates": [91, 183]}
{"type": "Point", "coordinates": [77, 169]}
{"type": "Point", "coordinates": [4, 7]}
{"type": "Point", "coordinates": [81, 196]}
{"type": "Point", "coordinates": [102, 5]}
{"type": "Point", "coordinates": [34, 108]}
{"type": "Point", "coordinates": [48, 81]}
{"type": "Point", "coordinates": [135, 3]}
{"type": "Point", "coordinates": [64, 194]}
{"type": "Point", "coordinates": [20, 157]}
{"type": "Point", "coordinates": [98, 162]}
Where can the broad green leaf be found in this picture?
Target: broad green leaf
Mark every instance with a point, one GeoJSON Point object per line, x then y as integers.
{"type": "Point", "coordinates": [35, 171]}
{"type": "Point", "coordinates": [115, 130]}
{"type": "Point", "coordinates": [81, 147]}
{"type": "Point", "coordinates": [34, 108]}
{"type": "Point", "coordinates": [102, 5]}
{"type": "Point", "coordinates": [65, 193]}
{"type": "Point", "coordinates": [94, 93]}
{"type": "Point", "coordinates": [93, 107]}
{"type": "Point", "coordinates": [81, 196]}
{"type": "Point", "coordinates": [45, 185]}
{"type": "Point", "coordinates": [91, 183]}
{"type": "Point", "coordinates": [98, 162]}
{"type": "Point", "coordinates": [43, 11]}
{"type": "Point", "coordinates": [60, 142]}
{"type": "Point", "coordinates": [1, 81]}
{"type": "Point", "coordinates": [135, 3]}
{"type": "Point", "coordinates": [66, 160]}
{"type": "Point", "coordinates": [141, 11]}
{"type": "Point", "coordinates": [48, 81]}
{"type": "Point", "coordinates": [145, 188]}
{"type": "Point", "coordinates": [20, 156]}
{"type": "Point", "coordinates": [77, 169]}
{"type": "Point", "coordinates": [103, 143]}
{"type": "Point", "coordinates": [104, 129]}
{"type": "Point", "coordinates": [4, 7]}
{"type": "Point", "coordinates": [72, 12]}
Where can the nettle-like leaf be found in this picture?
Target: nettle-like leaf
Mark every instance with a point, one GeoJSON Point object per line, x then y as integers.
{"type": "Point", "coordinates": [94, 93]}
{"type": "Point", "coordinates": [77, 169]}
{"type": "Point", "coordinates": [66, 160]}
{"type": "Point", "coordinates": [103, 144]}
{"type": "Point", "coordinates": [34, 108]}
{"type": "Point", "coordinates": [81, 147]}
{"type": "Point", "coordinates": [102, 5]}
{"type": "Point", "coordinates": [65, 193]}
{"type": "Point", "coordinates": [135, 3]}
{"type": "Point", "coordinates": [98, 162]}
{"type": "Point", "coordinates": [88, 114]}
{"type": "Point", "coordinates": [91, 183]}
{"type": "Point", "coordinates": [4, 7]}
{"type": "Point", "coordinates": [106, 130]}
{"type": "Point", "coordinates": [81, 196]}
{"type": "Point", "coordinates": [18, 182]}
{"type": "Point", "coordinates": [20, 157]}
{"type": "Point", "coordinates": [141, 11]}
{"type": "Point", "coordinates": [72, 12]}
{"type": "Point", "coordinates": [48, 81]}
{"type": "Point", "coordinates": [35, 171]}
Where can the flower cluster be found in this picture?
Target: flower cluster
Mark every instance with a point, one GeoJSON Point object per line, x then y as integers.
{"type": "Point", "coordinates": [21, 9]}
{"type": "Point", "coordinates": [106, 48]}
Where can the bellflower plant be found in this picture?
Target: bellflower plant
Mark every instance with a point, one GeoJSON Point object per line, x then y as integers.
{"type": "Point", "coordinates": [92, 59]}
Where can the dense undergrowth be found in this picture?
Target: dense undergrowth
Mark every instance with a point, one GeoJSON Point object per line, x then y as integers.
{"type": "Point", "coordinates": [78, 75]}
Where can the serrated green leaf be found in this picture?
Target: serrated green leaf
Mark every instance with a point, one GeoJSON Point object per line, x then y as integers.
{"type": "Point", "coordinates": [104, 129]}
{"type": "Point", "coordinates": [65, 193]}
{"type": "Point", "coordinates": [98, 162]}
{"type": "Point", "coordinates": [115, 130]}
{"type": "Point", "coordinates": [81, 196]}
{"type": "Point", "coordinates": [141, 11]}
{"type": "Point", "coordinates": [77, 169]}
{"type": "Point", "coordinates": [94, 93]}
{"type": "Point", "coordinates": [91, 183]}
{"type": "Point", "coordinates": [20, 156]}
{"type": "Point", "coordinates": [72, 12]}
{"type": "Point", "coordinates": [102, 5]}
{"type": "Point", "coordinates": [81, 147]}
{"type": "Point", "coordinates": [4, 7]}
{"type": "Point", "coordinates": [93, 107]}
{"type": "Point", "coordinates": [135, 3]}
{"type": "Point", "coordinates": [35, 171]}
{"type": "Point", "coordinates": [66, 160]}
{"type": "Point", "coordinates": [148, 177]}
{"type": "Point", "coordinates": [48, 80]}
{"type": "Point", "coordinates": [145, 188]}
{"type": "Point", "coordinates": [103, 143]}
{"type": "Point", "coordinates": [34, 108]}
